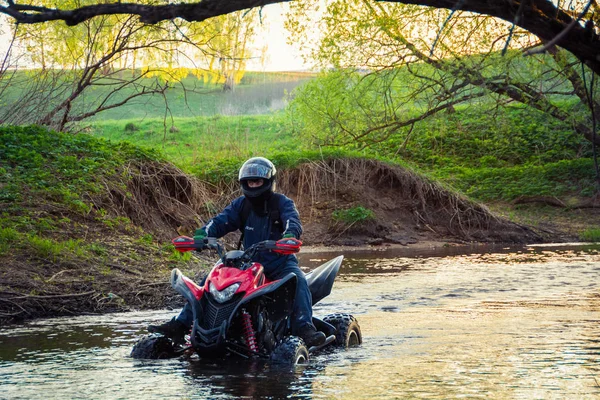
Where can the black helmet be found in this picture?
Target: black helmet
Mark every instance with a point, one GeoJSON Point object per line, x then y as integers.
{"type": "Point", "coordinates": [257, 168]}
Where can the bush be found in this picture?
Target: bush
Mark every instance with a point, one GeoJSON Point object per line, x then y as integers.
{"type": "Point", "coordinates": [7, 237]}
{"type": "Point", "coordinates": [131, 127]}
{"type": "Point", "coordinates": [565, 177]}
{"type": "Point", "coordinates": [353, 215]}
{"type": "Point", "coordinates": [590, 235]}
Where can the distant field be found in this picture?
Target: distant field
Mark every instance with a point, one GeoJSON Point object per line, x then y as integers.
{"type": "Point", "coordinates": [193, 100]}
{"type": "Point", "coordinates": [257, 93]}
{"type": "Point", "coordinates": [190, 141]}
{"type": "Point", "coordinates": [203, 122]}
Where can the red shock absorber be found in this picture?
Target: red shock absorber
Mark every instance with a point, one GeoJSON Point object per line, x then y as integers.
{"type": "Point", "coordinates": [249, 333]}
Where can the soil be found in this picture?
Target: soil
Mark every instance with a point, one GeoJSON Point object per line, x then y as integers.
{"type": "Point", "coordinates": [127, 273]}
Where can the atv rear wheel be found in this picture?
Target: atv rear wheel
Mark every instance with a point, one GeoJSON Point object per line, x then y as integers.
{"type": "Point", "coordinates": [291, 351]}
{"type": "Point", "coordinates": [153, 347]}
{"type": "Point", "coordinates": [348, 332]}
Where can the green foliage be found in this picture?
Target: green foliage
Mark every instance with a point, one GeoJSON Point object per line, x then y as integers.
{"type": "Point", "coordinates": [354, 215]}
{"type": "Point", "coordinates": [97, 249]}
{"type": "Point", "coordinates": [51, 249]}
{"type": "Point", "coordinates": [59, 167]}
{"type": "Point", "coordinates": [340, 106]}
{"type": "Point", "coordinates": [8, 236]}
{"type": "Point", "coordinates": [115, 223]}
{"type": "Point", "coordinates": [473, 137]}
{"type": "Point", "coordinates": [485, 151]}
{"type": "Point", "coordinates": [146, 240]}
{"type": "Point", "coordinates": [44, 248]}
{"type": "Point", "coordinates": [559, 178]}
{"type": "Point", "coordinates": [590, 235]}
{"type": "Point", "coordinates": [179, 256]}
{"type": "Point", "coordinates": [131, 127]}
{"type": "Point", "coordinates": [49, 170]}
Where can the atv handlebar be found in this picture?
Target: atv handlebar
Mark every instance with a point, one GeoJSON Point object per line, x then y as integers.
{"type": "Point", "coordinates": [282, 246]}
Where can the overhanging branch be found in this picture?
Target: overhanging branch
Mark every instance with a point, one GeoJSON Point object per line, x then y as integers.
{"type": "Point", "coordinates": [540, 17]}
{"type": "Point", "coordinates": [150, 14]}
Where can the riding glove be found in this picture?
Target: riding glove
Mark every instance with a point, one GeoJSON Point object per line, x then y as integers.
{"type": "Point", "coordinates": [199, 235]}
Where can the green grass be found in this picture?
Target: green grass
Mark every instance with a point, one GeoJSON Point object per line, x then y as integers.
{"type": "Point", "coordinates": [48, 175]}
{"type": "Point", "coordinates": [486, 152]}
{"type": "Point", "coordinates": [522, 154]}
{"type": "Point", "coordinates": [57, 166]}
{"type": "Point", "coordinates": [8, 236]}
{"type": "Point", "coordinates": [353, 215]}
{"type": "Point", "coordinates": [591, 235]}
{"type": "Point", "coordinates": [485, 136]}
{"type": "Point", "coordinates": [258, 93]}
{"type": "Point", "coordinates": [191, 141]}
{"type": "Point", "coordinates": [564, 177]}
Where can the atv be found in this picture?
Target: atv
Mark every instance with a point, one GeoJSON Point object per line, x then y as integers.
{"type": "Point", "coordinates": [238, 311]}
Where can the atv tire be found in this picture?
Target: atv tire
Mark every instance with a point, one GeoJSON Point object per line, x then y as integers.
{"type": "Point", "coordinates": [291, 351]}
{"type": "Point", "coordinates": [153, 347]}
{"type": "Point", "coordinates": [347, 330]}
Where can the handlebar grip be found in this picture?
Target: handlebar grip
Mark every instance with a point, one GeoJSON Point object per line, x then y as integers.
{"type": "Point", "coordinates": [287, 246]}
{"type": "Point", "coordinates": [185, 243]}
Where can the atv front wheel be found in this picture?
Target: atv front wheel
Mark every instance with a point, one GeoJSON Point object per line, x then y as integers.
{"type": "Point", "coordinates": [347, 330]}
{"type": "Point", "coordinates": [291, 351]}
{"type": "Point", "coordinates": [153, 347]}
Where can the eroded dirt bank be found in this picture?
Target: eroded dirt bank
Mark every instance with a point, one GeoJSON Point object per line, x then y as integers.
{"type": "Point", "coordinates": [130, 267]}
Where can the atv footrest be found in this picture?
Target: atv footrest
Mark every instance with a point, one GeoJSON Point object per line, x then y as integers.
{"type": "Point", "coordinates": [329, 339]}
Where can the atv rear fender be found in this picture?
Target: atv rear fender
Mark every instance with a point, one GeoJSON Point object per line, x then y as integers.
{"type": "Point", "coordinates": [320, 280]}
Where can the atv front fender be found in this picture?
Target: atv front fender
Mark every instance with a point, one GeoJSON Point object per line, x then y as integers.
{"type": "Point", "coordinates": [279, 297]}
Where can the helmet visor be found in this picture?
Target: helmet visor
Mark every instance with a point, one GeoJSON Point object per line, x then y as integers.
{"type": "Point", "coordinates": [255, 171]}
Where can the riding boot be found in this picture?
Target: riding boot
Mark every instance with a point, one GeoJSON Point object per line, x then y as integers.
{"type": "Point", "coordinates": [311, 336]}
{"type": "Point", "coordinates": [172, 329]}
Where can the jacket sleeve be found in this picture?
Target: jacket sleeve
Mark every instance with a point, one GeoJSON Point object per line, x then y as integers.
{"type": "Point", "coordinates": [290, 217]}
{"type": "Point", "coordinates": [227, 221]}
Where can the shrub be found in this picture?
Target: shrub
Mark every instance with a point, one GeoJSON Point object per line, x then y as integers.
{"type": "Point", "coordinates": [353, 215]}
{"type": "Point", "coordinates": [7, 237]}
{"type": "Point", "coordinates": [590, 235]}
{"type": "Point", "coordinates": [131, 127]}
{"type": "Point", "coordinates": [44, 248]}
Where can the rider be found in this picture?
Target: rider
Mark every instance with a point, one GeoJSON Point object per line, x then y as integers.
{"type": "Point", "coordinates": [257, 180]}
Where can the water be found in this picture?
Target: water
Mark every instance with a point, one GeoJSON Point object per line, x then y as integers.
{"type": "Point", "coordinates": [519, 323]}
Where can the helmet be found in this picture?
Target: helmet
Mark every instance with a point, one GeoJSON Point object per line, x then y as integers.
{"type": "Point", "coordinates": [257, 168]}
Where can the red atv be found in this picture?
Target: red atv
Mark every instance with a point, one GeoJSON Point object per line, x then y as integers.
{"type": "Point", "coordinates": [238, 311]}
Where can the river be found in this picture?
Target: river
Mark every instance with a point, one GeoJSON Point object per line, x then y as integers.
{"type": "Point", "coordinates": [477, 322]}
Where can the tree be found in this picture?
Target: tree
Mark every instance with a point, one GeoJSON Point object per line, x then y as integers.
{"type": "Point", "coordinates": [461, 61]}
{"type": "Point", "coordinates": [570, 25]}
{"type": "Point", "coordinates": [108, 61]}
{"type": "Point", "coordinates": [230, 46]}
{"type": "Point", "coordinates": [83, 61]}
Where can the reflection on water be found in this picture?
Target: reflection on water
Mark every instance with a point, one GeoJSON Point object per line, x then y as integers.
{"type": "Point", "coordinates": [488, 322]}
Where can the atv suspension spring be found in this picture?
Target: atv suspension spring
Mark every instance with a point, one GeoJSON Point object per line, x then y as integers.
{"type": "Point", "coordinates": [249, 333]}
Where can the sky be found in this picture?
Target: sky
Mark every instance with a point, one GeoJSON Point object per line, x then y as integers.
{"type": "Point", "coordinates": [280, 55]}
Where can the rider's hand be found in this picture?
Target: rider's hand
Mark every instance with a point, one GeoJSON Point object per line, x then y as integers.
{"type": "Point", "coordinates": [288, 246]}
{"type": "Point", "coordinates": [288, 235]}
{"type": "Point", "coordinates": [199, 236]}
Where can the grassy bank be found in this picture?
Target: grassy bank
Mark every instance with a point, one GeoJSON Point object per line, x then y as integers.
{"type": "Point", "coordinates": [74, 234]}
{"type": "Point", "coordinates": [522, 154]}
{"type": "Point", "coordinates": [85, 222]}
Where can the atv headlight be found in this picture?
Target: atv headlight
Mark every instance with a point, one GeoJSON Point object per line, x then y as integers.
{"type": "Point", "coordinates": [225, 294]}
